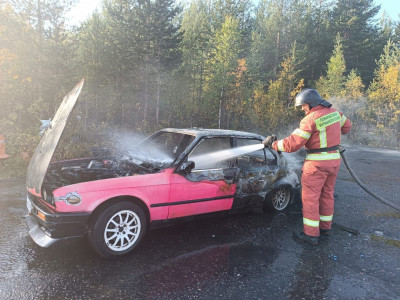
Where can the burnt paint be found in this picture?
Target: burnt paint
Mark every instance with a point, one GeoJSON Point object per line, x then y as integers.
{"type": "Point", "coordinates": [253, 185]}
{"type": "Point", "coordinates": [229, 175]}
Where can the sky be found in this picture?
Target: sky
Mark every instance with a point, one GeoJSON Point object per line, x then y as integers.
{"type": "Point", "coordinates": [84, 8]}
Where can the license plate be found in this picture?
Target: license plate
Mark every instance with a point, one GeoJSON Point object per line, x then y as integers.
{"type": "Point", "coordinates": [29, 205]}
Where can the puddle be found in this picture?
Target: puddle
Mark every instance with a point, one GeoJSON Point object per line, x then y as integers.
{"type": "Point", "coordinates": [202, 268]}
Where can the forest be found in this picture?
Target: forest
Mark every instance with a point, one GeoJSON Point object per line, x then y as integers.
{"type": "Point", "coordinates": [229, 64]}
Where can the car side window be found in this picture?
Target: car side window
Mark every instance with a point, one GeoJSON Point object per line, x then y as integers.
{"type": "Point", "coordinates": [207, 154]}
{"type": "Point", "coordinates": [256, 158]}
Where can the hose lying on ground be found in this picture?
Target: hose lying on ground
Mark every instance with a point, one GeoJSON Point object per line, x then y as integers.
{"type": "Point", "coordinates": [362, 185]}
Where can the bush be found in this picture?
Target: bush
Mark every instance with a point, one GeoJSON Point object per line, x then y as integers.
{"type": "Point", "coordinates": [20, 147]}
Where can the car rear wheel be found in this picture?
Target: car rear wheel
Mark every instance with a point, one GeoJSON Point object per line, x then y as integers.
{"type": "Point", "coordinates": [278, 199]}
{"type": "Point", "coordinates": [118, 229]}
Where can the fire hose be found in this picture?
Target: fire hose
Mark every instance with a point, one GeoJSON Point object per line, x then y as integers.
{"type": "Point", "coordinates": [362, 185]}
{"type": "Point", "coordinates": [268, 141]}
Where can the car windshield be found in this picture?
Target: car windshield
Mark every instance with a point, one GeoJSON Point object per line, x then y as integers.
{"type": "Point", "coordinates": [161, 149]}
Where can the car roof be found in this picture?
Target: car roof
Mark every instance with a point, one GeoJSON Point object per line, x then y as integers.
{"type": "Point", "coordinates": [200, 132]}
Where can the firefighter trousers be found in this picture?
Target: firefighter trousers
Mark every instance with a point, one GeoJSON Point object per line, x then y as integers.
{"type": "Point", "coordinates": [318, 184]}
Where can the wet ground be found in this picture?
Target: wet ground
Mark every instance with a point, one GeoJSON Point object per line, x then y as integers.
{"type": "Point", "coordinates": [248, 256]}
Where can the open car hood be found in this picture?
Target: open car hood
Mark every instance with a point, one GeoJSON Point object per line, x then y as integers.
{"type": "Point", "coordinates": [44, 152]}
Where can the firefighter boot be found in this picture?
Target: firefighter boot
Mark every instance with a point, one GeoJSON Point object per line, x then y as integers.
{"type": "Point", "coordinates": [304, 238]}
{"type": "Point", "coordinates": [325, 232]}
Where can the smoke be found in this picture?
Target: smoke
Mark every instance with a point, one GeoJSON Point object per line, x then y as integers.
{"type": "Point", "coordinates": [124, 142]}
{"type": "Point", "coordinates": [347, 106]}
{"type": "Point", "coordinates": [129, 146]}
{"type": "Point", "coordinates": [351, 108]}
{"type": "Point", "coordinates": [295, 163]}
{"type": "Point", "coordinates": [296, 158]}
{"type": "Point", "coordinates": [364, 131]}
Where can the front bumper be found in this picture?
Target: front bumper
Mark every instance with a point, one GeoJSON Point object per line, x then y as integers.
{"type": "Point", "coordinates": [56, 227]}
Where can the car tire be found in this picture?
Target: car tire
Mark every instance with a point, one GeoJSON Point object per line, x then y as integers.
{"type": "Point", "coordinates": [278, 199]}
{"type": "Point", "coordinates": [118, 229]}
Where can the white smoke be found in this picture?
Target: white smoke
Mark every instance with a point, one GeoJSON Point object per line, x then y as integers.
{"type": "Point", "coordinates": [124, 142]}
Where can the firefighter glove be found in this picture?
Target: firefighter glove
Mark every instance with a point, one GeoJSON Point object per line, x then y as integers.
{"type": "Point", "coordinates": [269, 140]}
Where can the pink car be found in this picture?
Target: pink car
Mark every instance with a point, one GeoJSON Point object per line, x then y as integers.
{"type": "Point", "coordinates": [172, 174]}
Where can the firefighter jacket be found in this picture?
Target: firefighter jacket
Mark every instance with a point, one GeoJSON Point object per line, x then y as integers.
{"type": "Point", "coordinates": [320, 128]}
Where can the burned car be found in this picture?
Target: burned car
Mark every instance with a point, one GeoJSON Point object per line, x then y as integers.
{"type": "Point", "coordinates": [174, 173]}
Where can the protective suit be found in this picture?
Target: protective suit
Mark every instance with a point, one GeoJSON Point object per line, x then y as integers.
{"type": "Point", "coordinates": [319, 132]}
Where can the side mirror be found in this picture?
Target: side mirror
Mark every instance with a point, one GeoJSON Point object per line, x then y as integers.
{"type": "Point", "coordinates": [187, 167]}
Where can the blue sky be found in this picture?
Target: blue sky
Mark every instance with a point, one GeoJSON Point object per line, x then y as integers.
{"type": "Point", "coordinates": [392, 8]}
{"type": "Point", "coordinates": [85, 7]}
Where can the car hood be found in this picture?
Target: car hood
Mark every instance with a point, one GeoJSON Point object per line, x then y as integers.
{"type": "Point", "coordinates": [44, 152]}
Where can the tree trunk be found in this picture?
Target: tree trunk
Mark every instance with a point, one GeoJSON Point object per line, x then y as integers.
{"type": "Point", "coordinates": [40, 48]}
{"type": "Point", "coordinates": [220, 108]}
{"type": "Point", "coordinates": [158, 90]}
{"type": "Point", "coordinates": [146, 92]}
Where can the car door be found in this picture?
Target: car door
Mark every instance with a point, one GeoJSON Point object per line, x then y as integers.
{"type": "Point", "coordinates": [210, 186]}
{"type": "Point", "coordinates": [257, 171]}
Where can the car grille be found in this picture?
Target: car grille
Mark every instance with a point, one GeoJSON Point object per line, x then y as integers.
{"type": "Point", "coordinates": [37, 200]}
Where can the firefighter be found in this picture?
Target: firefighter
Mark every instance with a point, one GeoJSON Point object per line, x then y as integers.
{"type": "Point", "coordinates": [319, 132]}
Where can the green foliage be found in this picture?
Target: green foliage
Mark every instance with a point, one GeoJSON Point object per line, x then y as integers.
{"type": "Point", "coordinates": [274, 108]}
{"type": "Point", "coordinates": [333, 83]}
{"type": "Point", "coordinates": [216, 63]}
{"type": "Point", "coordinates": [221, 67]}
{"type": "Point", "coordinates": [356, 23]}
{"type": "Point", "coordinates": [384, 92]}
{"type": "Point", "coordinates": [353, 87]}
{"type": "Point", "coordinates": [21, 142]}
{"type": "Point", "coordinates": [276, 28]}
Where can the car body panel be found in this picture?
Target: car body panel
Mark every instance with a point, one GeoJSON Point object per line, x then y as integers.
{"type": "Point", "coordinates": [199, 197]}
{"type": "Point", "coordinates": [167, 188]}
{"type": "Point", "coordinates": [44, 152]}
{"type": "Point", "coordinates": [253, 185]}
{"type": "Point", "coordinates": [150, 188]}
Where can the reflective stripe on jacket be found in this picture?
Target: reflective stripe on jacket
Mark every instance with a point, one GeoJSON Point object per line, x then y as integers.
{"type": "Point", "coordinates": [320, 128]}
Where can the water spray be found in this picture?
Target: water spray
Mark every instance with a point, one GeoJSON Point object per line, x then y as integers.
{"type": "Point", "coordinates": [222, 155]}
{"type": "Point", "coordinates": [231, 153]}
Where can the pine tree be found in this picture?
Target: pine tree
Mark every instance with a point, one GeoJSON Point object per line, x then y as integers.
{"type": "Point", "coordinates": [222, 65]}
{"type": "Point", "coordinates": [274, 105]}
{"type": "Point", "coordinates": [353, 86]}
{"type": "Point", "coordinates": [333, 83]}
{"type": "Point", "coordinates": [315, 39]}
{"type": "Point", "coordinates": [167, 39]}
{"type": "Point", "coordinates": [355, 21]}
{"type": "Point", "coordinates": [196, 48]}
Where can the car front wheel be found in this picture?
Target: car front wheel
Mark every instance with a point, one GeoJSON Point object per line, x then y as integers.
{"type": "Point", "coordinates": [278, 199]}
{"type": "Point", "coordinates": [118, 229]}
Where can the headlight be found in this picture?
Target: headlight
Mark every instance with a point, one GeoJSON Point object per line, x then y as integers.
{"type": "Point", "coordinates": [47, 195]}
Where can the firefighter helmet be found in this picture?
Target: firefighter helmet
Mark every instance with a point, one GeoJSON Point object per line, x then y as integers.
{"type": "Point", "coordinates": [308, 96]}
